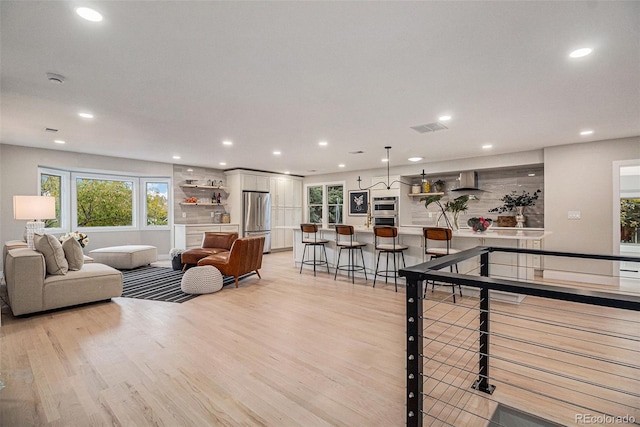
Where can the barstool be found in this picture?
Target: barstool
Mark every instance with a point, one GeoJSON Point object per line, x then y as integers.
{"type": "Point", "coordinates": [440, 234]}
{"type": "Point", "coordinates": [351, 245]}
{"type": "Point", "coordinates": [312, 240]}
{"type": "Point", "coordinates": [384, 233]}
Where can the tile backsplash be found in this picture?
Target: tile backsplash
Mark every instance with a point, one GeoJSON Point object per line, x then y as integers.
{"type": "Point", "coordinates": [195, 214]}
{"type": "Point", "coordinates": [493, 185]}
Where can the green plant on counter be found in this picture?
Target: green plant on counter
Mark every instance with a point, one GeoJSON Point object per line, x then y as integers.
{"type": "Point", "coordinates": [455, 206]}
{"type": "Point", "coordinates": [513, 200]}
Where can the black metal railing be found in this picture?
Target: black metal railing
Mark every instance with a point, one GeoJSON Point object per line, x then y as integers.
{"type": "Point", "coordinates": [458, 340]}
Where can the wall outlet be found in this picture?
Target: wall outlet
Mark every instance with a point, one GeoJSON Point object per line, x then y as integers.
{"type": "Point", "coordinates": [184, 214]}
{"type": "Point", "coordinates": [430, 214]}
{"type": "Point", "coordinates": [573, 214]}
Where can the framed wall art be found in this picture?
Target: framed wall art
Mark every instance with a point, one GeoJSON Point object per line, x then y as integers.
{"type": "Point", "coordinates": [358, 202]}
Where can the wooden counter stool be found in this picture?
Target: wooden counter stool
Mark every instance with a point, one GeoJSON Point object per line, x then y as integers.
{"type": "Point", "coordinates": [440, 234]}
{"type": "Point", "coordinates": [311, 230]}
{"type": "Point", "coordinates": [352, 246]}
{"type": "Point", "coordinates": [386, 242]}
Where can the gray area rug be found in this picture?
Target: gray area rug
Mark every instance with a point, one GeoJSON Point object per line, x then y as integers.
{"type": "Point", "coordinates": [160, 284]}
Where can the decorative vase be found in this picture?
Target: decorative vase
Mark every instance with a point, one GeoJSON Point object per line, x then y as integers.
{"type": "Point", "coordinates": [456, 226]}
{"type": "Point", "coordinates": [520, 218]}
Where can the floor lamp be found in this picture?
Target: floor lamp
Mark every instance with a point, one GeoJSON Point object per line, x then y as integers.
{"type": "Point", "coordinates": [34, 209]}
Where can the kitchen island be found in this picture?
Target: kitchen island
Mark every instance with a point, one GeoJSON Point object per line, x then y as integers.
{"type": "Point", "coordinates": [503, 265]}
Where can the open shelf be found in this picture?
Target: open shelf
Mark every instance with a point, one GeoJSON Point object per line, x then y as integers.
{"type": "Point", "coordinates": [202, 204]}
{"type": "Point", "coordinates": [204, 187]}
{"type": "Point", "coordinates": [424, 194]}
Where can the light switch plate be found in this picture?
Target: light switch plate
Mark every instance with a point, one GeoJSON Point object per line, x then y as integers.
{"type": "Point", "coordinates": [184, 214]}
{"type": "Point", "coordinates": [573, 214]}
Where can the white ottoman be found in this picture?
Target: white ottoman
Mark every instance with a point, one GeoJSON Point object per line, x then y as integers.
{"type": "Point", "coordinates": [125, 257]}
{"type": "Point", "coordinates": [201, 280]}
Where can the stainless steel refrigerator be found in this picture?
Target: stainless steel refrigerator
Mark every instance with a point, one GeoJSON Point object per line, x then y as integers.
{"type": "Point", "coordinates": [257, 216]}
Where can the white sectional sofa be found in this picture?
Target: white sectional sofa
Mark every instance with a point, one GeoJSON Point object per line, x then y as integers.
{"type": "Point", "coordinates": [30, 289]}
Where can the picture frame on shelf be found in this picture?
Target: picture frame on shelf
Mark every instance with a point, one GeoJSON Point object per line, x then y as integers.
{"type": "Point", "coordinates": [358, 202]}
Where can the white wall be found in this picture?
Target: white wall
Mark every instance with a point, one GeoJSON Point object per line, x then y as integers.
{"type": "Point", "coordinates": [19, 175]}
{"type": "Point", "coordinates": [431, 169]}
{"type": "Point", "coordinates": [578, 177]}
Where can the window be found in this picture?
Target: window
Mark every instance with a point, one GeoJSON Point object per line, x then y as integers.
{"type": "Point", "coordinates": [325, 204]}
{"type": "Point", "coordinates": [103, 202]}
{"type": "Point", "coordinates": [55, 184]}
{"type": "Point", "coordinates": [156, 203]}
{"type": "Point", "coordinates": [335, 199]}
{"type": "Point", "coordinates": [314, 204]}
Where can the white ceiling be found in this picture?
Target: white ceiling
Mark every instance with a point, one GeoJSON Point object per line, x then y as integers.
{"type": "Point", "coordinates": [177, 78]}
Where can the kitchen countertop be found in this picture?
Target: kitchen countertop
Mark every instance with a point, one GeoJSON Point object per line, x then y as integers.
{"type": "Point", "coordinates": [509, 233]}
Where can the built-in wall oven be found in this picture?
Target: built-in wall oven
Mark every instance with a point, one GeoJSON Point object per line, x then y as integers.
{"type": "Point", "coordinates": [385, 210]}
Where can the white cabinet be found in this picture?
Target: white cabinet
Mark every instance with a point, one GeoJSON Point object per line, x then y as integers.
{"type": "Point", "coordinates": [189, 236]}
{"type": "Point", "coordinates": [286, 210]}
{"type": "Point", "coordinates": [255, 182]}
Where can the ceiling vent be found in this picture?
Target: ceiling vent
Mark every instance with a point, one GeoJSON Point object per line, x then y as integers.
{"type": "Point", "coordinates": [429, 127]}
{"type": "Point", "coordinates": [356, 152]}
{"type": "Point", "coordinates": [50, 130]}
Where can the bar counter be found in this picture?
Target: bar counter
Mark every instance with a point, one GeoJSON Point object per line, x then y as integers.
{"type": "Point", "coordinates": [504, 265]}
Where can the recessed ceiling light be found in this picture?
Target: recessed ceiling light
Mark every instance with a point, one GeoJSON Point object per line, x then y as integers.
{"type": "Point", "coordinates": [176, 157]}
{"type": "Point", "coordinates": [586, 132]}
{"type": "Point", "coordinates": [277, 153]}
{"type": "Point", "coordinates": [414, 159]}
{"type": "Point", "coordinates": [487, 146]}
{"type": "Point", "coordinates": [59, 141]}
{"type": "Point", "coordinates": [287, 173]}
{"type": "Point", "coordinates": [531, 174]}
{"type": "Point", "coordinates": [189, 170]}
{"type": "Point", "coordinates": [89, 14]}
{"type": "Point", "coordinates": [323, 143]}
{"type": "Point", "coordinates": [86, 115]}
{"type": "Point", "coordinates": [385, 160]}
{"type": "Point", "coordinates": [341, 165]}
{"type": "Point", "coordinates": [579, 53]}
{"type": "Point", "coordinates": [223, 163]}
{"type": "Point", "coordinates": [444, 118]}
{"type": "Point", "coordinates": [227, 142]}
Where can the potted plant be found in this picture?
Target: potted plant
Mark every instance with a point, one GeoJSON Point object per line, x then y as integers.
{"type": "Point", "coordinates": [457, 205]}
{"type": "Point", "coordinates": [439, 185]}
{"type": "Point", "coordinates": [176, 258]}
{"type": "Point", "coordinates": [517, 202]}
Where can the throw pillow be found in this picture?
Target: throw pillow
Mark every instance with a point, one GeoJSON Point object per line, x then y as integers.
{"type": "Point", "coordinates": [73, 253]}
{"type": "Point", "coordinates": [53, 253]}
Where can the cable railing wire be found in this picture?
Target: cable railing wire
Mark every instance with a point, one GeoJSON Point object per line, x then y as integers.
{"type": "Point", "coordinates": [563, 373]}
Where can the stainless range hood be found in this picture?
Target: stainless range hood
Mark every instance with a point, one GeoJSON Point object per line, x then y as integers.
{"type": "Point", "coordinates": [468, 181]}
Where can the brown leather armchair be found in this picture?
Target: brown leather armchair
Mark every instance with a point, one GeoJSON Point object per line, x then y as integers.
{"type": "Point", "coordinates": [244, 257]}
{"type": "Point", "coordinates": [213, 242]}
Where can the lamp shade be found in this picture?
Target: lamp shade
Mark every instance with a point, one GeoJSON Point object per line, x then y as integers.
{"type": "Point", "coordinates": [34, 207]}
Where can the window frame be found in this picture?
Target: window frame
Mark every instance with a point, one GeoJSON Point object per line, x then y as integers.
{"type": "Point", "coordinates": [325, 204]}
{"type": "Point", "coordinates": [65, 195]}
{"type": "Point", "coordinates": [143, 203]}
{"type": "Point", "coordinates": [69, 202]}
{"type": "Point", "coordinates": [104, 177]}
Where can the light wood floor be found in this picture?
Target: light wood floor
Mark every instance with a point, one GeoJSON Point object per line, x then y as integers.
{"type": "Point", "coordinates": [284, 350]}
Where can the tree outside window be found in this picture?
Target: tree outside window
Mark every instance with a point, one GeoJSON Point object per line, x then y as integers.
{"type": "Point", "coordinates": [51, 185]}
{"type": "Point", "coordinates": [104, 203]}
{"type": "Point", "coordinates": [335, 199]}
{"type": "Point", "coordinates": [314, 204]}
{"type": "Point", "coordinates": [157, 203]}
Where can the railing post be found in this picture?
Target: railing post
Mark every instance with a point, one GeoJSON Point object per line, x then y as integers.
{"type": "Point", "coordinates": [414, 348]}
{"type": "Point", "coordinates": [482, 383]}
